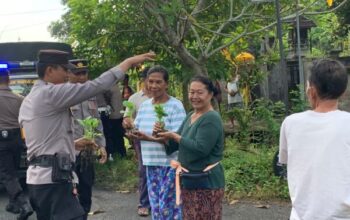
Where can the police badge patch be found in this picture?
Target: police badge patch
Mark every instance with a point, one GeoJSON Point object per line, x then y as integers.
{"type": "Point", "coordinates": [4, 134]}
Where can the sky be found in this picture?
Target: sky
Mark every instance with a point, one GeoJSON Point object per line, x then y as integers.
{"type": "Point", "coordinates": [28, 20]}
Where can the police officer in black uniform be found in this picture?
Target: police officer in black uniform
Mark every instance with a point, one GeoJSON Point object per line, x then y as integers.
{"type": "Point", "coordinates": [10, 148]}
{"type": "Point", "coordinates": [85, 167]}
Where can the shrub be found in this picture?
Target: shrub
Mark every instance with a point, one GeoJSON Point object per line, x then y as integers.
{"type": "Point", "coordinates": [250, 173]}
{"type": "Point", "coordinates": [120, 174]}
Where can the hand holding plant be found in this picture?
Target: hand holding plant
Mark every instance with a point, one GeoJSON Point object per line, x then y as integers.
{"type": "Point", "coordinates": [89, 151]}
{"type": "Point", "coordinates": [129, 109]}
{"type": "Point", "coordinates": [160, 114]}
{"type": "Point", "coordinates": [128, 116]}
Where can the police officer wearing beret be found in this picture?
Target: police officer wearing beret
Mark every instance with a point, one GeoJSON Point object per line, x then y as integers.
{"type": "Point", "coordinates": [85, 170]}
{"type": "Point", "coordinates": [46, 119]}
{"type": "Point", "coordinates": [10, 148]}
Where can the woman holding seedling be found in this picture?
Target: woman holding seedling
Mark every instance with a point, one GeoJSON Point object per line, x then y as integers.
{"type": "Point", "coordinates": [131, 108]}
{"type": "Point", "coordinates": [200, 141]}
{"type": "Point", "coordinates": [169, 112]}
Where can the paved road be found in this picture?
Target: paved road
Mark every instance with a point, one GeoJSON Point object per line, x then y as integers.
{"type": "Point", "coordinates": [121, 206]}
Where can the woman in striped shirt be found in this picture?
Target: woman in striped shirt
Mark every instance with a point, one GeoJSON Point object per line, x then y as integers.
{"type": "Point", "coordinates": [160, 176]}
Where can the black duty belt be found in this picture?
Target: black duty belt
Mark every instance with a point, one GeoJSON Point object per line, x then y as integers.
{"type": "Point", "coordinates": [47, 161]}
{"type": "Point", "coordinates": [42, 160]}
{"type": "Point", "coordinates": [9, 134]}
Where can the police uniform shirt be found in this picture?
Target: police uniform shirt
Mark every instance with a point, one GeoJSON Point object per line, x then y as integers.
{"type": "Point", "coordinates": [47, 122]}
{"type": "Point", "coordinates": [9, 110]}
{"type": "Point", "coordinates": [116, 102]}
{"type": "Point", "coordinates": [83, 110]}
{"type": "Point", "coordinates": [101, 102]}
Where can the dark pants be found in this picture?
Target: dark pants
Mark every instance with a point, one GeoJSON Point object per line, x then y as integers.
{"type": "Point", "coordinates": [86, 175]}
{"type": "Point", "coordinates": [55, 202]}
{"type": "Point", "coordinates": [144, 200]}
{"type": "Point", "coordinates": [10, 152]}
{"type": "Point", "coordinates": [117, 132]}
{"type": "Point", "coordinates": [107, 130]}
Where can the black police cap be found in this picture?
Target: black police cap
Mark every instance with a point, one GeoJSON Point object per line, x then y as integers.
{"type": "Point", "coordinates": [80, 65]}
{"type": "Point", "coordinates": [54, 57]}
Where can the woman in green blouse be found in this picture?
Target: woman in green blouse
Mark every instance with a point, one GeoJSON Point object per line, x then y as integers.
{"type": "Point", "coordinates": [200, 141]}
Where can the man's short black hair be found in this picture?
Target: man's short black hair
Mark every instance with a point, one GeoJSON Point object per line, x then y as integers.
{"type": "Point", "coordinates": [159, 69]}
{"type": "Point", "coordinates": [329, 77]}
{"type": "Point", "coordinates": [143, 73]}
{"type": "Point", "coordinates": [41, 68]}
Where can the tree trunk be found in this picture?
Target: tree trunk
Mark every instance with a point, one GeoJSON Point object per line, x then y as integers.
{"type": "Point", "coordinates": [185, 99]}
{"type": "Point", "coordinates": [196, 65]}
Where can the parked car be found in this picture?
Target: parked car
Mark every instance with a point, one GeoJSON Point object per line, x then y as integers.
{"type": "Point", "coordinates": [22, 79]}
{"type": "Point", "coordinates": [20, 59]}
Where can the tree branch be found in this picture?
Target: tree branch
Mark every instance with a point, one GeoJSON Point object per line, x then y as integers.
{"type": "Point", "coordinates": [328, 11]}
{"type": "Point", "coordinates": [200, 44]}
{"type": "Point", "coordinates": [200, 7]}
{"type": "Point", "coordinates": [210, 44]}
{"type": "Point", "coordinates": [235, 39]}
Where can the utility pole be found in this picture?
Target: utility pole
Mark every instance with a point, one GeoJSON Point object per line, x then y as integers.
{"type": "Point", "coordinates": [301, 67]}
{"type": "Point", "coordinates": [282, 57]}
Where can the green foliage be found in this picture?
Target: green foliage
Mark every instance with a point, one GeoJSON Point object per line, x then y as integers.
{"type": "Point", "coordinates": [119, 174]}
{"type": "Point", "coordinates": [262, 115]}
{"type": "Point", "coordinates": [160, 112]}
{"type": "Point", "coordinates": [250, 174]}
{"type": "Point", "coordinates": [244, 118]}
{"type": "Point", "coordinates": [129, 108]}
{"type": "Point", "coordinates": [324, 35]}
{"type": "Point", "coordinates": [250, 75]}
{"type": "Point", "coordinates": [90, 126]}
{"type": "Point", "coordinates": [297, 100]}
{"type": "Point", "coordinates": [271, 115]}
{"type": "Point", "coordinates": [344, 18]}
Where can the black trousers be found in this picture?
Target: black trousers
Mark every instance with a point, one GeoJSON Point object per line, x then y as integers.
{"type": "Point", "coordinates": [117, 136]}
{"type": "Point", "coordinates": [86, 175]}
{"type": "Point", "coordinates": [107, 130]}
{"type": "Point", "coordinates": [55, 202]}
{"type": "Point", "coordinates": [10, 152]}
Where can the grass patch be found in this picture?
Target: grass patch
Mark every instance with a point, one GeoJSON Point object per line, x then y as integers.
{"type": "Point", "coordinates": [120, 174]}
{"type": "Point", "coordinates": [249, 173]}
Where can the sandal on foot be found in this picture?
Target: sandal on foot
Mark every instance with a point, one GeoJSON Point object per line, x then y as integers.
{"type": "Point", "coordinates": [141, 211]}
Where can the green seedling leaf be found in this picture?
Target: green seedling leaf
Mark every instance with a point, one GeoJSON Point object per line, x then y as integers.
{"type": "Point", "coordinates": [160, 112]}
{"type": "Point", "coordinates": [130, 108]}
{"type": "Point", "coordinates": [90, 126]}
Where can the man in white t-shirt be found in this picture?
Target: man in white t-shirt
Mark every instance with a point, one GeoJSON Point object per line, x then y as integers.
{"type": "Point", "coordinates": [315, 145]}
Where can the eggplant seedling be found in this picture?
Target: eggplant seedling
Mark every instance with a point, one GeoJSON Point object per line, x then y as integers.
{"type": "Point", "coordinates": [160, 114]}
{"type": "Point", "coordinates": [129, 112]}
{"type": "Point", "coordinates": [89, 153]}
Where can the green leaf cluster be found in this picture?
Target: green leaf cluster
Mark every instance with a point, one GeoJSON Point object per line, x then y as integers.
{"type": "Point", "coordinates": [129, 108]}
{"type": "Point", "coordinates": [262, 116]}
{"type": "Point", "coordinates": [90, 126]}
{"type": "Point", "coordinates": [160, 112]}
